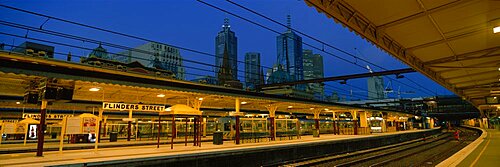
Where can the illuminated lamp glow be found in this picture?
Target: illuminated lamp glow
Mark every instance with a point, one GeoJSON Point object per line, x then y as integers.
{"type": "Point", "coordinates": [160, 95]}
{"type": "Point", "coordinates": [496, 29]}
{"type": "Point", "coordinates": [244, 102]}
{"type": "Point", "coordinates": [94, 89]}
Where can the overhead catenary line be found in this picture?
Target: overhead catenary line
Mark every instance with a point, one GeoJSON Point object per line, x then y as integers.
{"type": "Point", "coordinates": [182, 48]}
{"type": "Point", "coordinates": [307, 44]}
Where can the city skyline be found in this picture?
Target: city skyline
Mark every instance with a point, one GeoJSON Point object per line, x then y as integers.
{"type": "Point", "coordinates": [246, 35]}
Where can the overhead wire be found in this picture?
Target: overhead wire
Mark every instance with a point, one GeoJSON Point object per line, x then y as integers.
{"type": "Point", "coordinates": [307, 44]}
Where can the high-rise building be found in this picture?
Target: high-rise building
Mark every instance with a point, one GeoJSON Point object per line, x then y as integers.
{"type": "Point", "coordinates": [289, 65]}
{"type": "Point", "coordinates": [313, 69]}
{"type": "Point", "coordinates": [289, 47]}
{"type": "Point", "coordinates": [226, 38]}
{"type": "Point", "coordinates": [253, 73]}
{"type": "Point", "coordinates": [155, 55]}
{"type": "Point", "coordinates": [376, 88]}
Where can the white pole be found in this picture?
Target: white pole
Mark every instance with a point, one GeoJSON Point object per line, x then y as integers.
{"type": "Point", "coordinates": [63, 131]}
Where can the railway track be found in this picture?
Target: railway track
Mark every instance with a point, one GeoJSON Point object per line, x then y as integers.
{"type": "Point", "coordinates": [420, 152]}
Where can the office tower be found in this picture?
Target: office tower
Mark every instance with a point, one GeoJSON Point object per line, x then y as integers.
{"type": "Point", "coordinates": [376, 88]}
{"type": "Point", "coordinates": [252, 69]}
{"type": "Point", "coordinates": [289, 47]}
{"type": "Point", "coordinates": [226, 38]}
{"type": "Point", "coordinates": [313, 69]}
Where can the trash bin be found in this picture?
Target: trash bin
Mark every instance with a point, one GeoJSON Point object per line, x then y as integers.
{"type": "Point", "coordinates": [113, 136]}
{"type": "Point", "coordinates": [217, 139]}
{"type": "Point", "coordinates": [53, 135]}
{"type": "Point", "coordinates": [316, 133]}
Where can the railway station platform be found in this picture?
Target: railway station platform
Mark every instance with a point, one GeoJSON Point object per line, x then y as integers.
{"type": "Point", "coordinates": [122, 155]}
{"type": "Point", "coordinates": [482, 152]}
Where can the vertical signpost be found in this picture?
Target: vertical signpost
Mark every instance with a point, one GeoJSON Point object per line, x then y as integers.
{"type": "Point", "coordinates": [63, 130]}
{"type": "Point", "coordinates": [41, 129]}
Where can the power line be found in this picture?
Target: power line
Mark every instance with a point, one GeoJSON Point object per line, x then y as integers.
{"type": "Point", "coordinates": [322, 50]}
{"type": "Point", "coordinates": [105, 44]}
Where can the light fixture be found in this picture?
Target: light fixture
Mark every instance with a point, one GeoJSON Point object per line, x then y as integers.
{"type": "Point", "coordinates": [94, 89]}
{"type": "Point", "coordinates": [498, 68]}
{"type": "Point", "coordinates": [326, 109]}
{"type": "Point", "coordinates": [200, 99]}
{"type": "Point", "coordinates": [290, 106]}
{"type": "Point", "coordinates": [17, 102]}
{"type": "Point", "coordinates": [168, 109]}
{"type": "Point", "coordinates": [311, 108]}
{"type": "Point", "coordinates": [496, 29]}
{"type": "Point", "coordinates": [243, 102]}
{"type": "Point", "coordinates": [160, 95]}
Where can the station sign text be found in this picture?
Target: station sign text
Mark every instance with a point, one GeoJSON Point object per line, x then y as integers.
{"type": "Point", "coordinates": [137, 107]}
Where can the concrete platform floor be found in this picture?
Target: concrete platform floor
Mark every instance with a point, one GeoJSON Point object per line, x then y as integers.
{"type": "Point", "coordinates": [487, 153]}
{"type": "Point", "coordinates": [132, 152]}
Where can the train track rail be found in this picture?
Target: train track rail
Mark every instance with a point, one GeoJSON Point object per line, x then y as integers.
{"type": "Point", "coordinates": [420, 152]}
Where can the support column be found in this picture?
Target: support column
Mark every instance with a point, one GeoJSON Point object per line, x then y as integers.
{"type": "Point", "coordinates": [159, 131]}
{"type": "Point", "coordinates": [355, 121]}
{"type": "Point", "coordinates": [41, 129]}
{"type": "Point", "coordinates": [129, 126]}
{"type": "Point", "coordinates": [334, 123]}
{"type": "Point", "coordinates": [98, 130]}
{"type": "Point", "coordinates": [237, 123]}
{"type": "Point", "coordinates": [98, 135]}
{"type": "Point", "coordinates": [316, 122]}
{"type": "Point", "coordinates": [186, 134]}
{"type": "Point", "coordinates": [105, 126]}
{"type": "Point", "coordinates": [205, 127]}
{"type": "Point", "coordinates": [272, 113]}
{"type": "Point", "coordinates": [199, 135]}
{"type": "Point", "coordinates": [195, 131]}
{"type": "Point", "coordinates": [173, 132]}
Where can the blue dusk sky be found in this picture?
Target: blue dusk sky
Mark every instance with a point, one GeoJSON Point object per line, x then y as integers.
{"type": "Point", "coordinates": [194, 25]}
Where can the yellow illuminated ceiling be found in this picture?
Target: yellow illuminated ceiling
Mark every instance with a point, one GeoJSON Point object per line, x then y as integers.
{"type": "Point", "coordinates": [451, 42]}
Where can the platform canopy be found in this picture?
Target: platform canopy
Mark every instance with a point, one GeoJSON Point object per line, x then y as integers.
{"type": "Point", "coordinates": [29, 121]}
{"type": "Point", "coordinates": [181, 109]}
{"type": "Point", "coordinates": [451, 42]}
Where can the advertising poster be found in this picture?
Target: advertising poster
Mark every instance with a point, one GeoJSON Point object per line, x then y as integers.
{"type": "Point", "coordinates": [89, 125]}
{"type": "Point", "coordinates": [32, 131]}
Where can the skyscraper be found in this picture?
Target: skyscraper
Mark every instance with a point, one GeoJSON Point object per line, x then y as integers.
{"type": "Point", "coordinates": [313, 69]}
{"type": "Point", "coordinates": [252, 69]}
{"type": "Point", "coordinates": [155, 55]}
{"type": "Point", "coordinates": [289, 65]}
{"type": "Point", "coordinates": [376, 88]}
{"type": "Point", "coordinates": [289, 47]}
{"type": "Point", "coordinates": [226, 38]}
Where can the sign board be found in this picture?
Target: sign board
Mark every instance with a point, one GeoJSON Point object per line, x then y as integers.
{"type": "Point", "coordinates": [14, 128]}
{"type": "Point", "coordinates": [73, 125]}
{"type": "Point", "coordinates": [89, 124]}
{"type": "Point", "coordinates": [48, 116]}
{"type": "Point", "coordinates": [136, 107]}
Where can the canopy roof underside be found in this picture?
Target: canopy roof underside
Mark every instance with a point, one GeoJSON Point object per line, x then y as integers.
{"type": "Point", "coordinates": [452, 42]}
